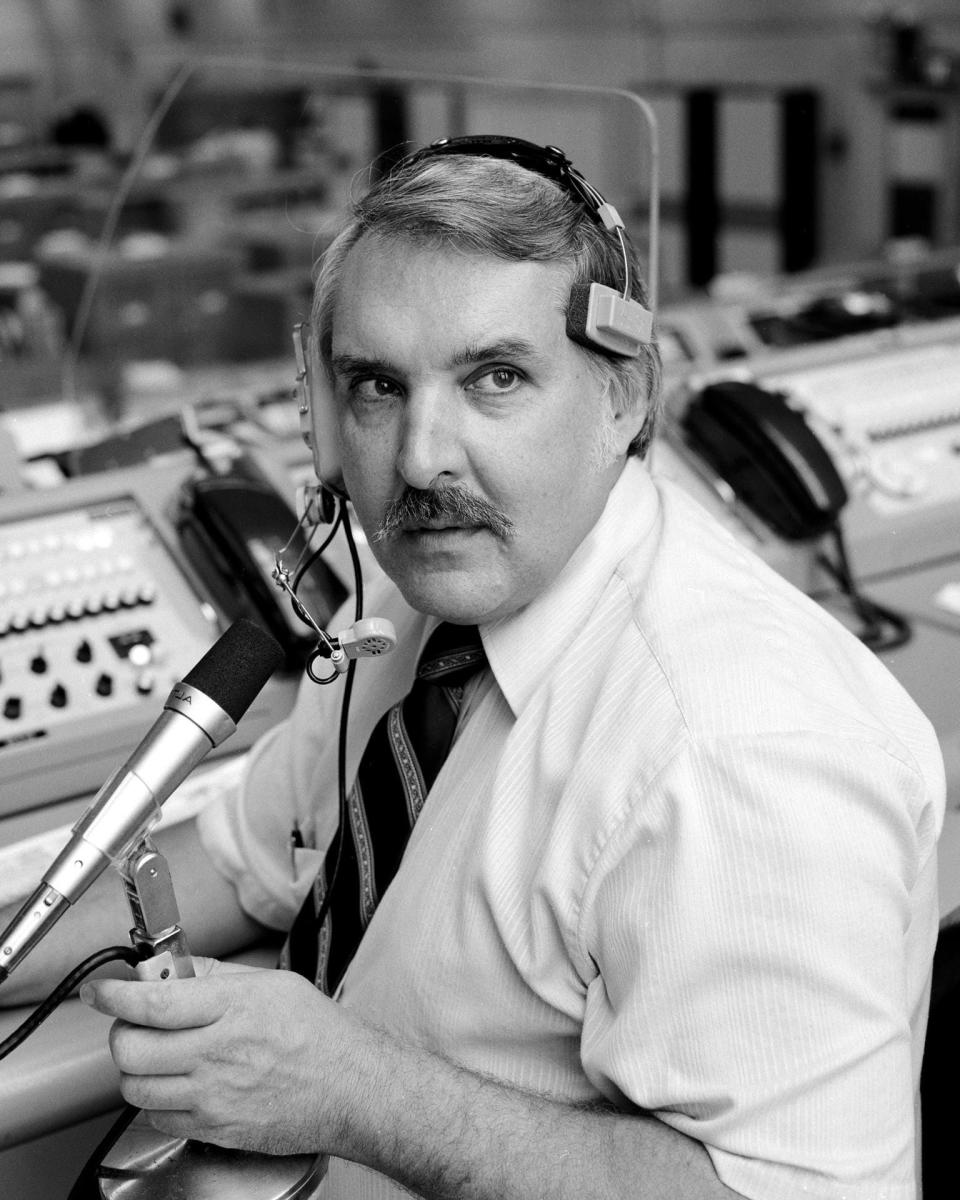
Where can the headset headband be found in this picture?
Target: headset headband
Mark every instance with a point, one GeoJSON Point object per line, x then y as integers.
{"type": "Point", "coordinates": [548, 161]}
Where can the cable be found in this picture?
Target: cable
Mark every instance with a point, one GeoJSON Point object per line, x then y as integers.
{"type": "Point", "coordinates": [87, 1186]}
{"type": "Point", "coordinates": [63, 990]}
{"type": "Point", "coordinates": [341, 792]}
{"type": "Point", "coordinates": [344, 515]}
{"type": "Point", "coordinates": [300, 568]}
{"type": "Point", "coordinates": [342, 518]}
{"type": "Point", "coordinates": [881, 628]}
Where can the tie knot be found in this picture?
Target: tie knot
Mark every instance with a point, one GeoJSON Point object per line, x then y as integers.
{"type": "Point", "coordinates": [452, 654]}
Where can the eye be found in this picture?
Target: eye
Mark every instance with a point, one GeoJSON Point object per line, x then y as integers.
{"type": "Point", "coordinates": [373, 389]}
{"type": "Point", "coordinates": [494, 380]}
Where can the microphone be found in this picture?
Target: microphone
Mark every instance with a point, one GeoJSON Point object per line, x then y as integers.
{"type": "Point", "coordinates": [201, 711]}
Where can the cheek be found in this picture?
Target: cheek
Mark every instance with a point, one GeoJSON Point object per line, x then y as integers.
{"type": "Point", "coordinates": [365, 455]}
{"type": "Point", "coordinates": [367, 503]}
{"type": "Point", "coordinates": [537, 475]}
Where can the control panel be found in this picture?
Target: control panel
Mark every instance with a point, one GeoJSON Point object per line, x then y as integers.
{"type": "Point", "coordinates": [99, 618]}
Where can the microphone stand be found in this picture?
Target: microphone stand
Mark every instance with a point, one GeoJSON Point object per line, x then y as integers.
{"type": "Point", "coordinates": [142, 1163]}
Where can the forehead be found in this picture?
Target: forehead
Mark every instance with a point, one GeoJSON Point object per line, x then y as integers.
{"type": "Point", "coordinates": [391, 289]}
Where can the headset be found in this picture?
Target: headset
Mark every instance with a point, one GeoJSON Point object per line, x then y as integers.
{"type": "Point", "coordinates": [598, 316]}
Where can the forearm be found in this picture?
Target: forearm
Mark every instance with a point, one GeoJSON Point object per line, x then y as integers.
{"type": "Point", "coordinates": [210, 915]}
{"type": "Point", "coordinates": [451, 1135]}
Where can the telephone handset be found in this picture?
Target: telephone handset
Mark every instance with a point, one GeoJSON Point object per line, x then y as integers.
{"type": "Point", "coordinates": [768, 454]}
{"type": "Point", "coordinates": [231, 528]}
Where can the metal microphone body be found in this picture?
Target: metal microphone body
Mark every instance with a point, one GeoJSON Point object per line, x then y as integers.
{"type": "Point", "coordinates": [191, 724]}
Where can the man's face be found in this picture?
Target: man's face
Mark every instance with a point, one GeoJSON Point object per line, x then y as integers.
{"type": "Point", "coordinates": [455, 371]}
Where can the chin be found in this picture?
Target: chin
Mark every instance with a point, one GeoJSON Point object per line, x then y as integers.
{"type": "Point", "coordinates": [442, 599]}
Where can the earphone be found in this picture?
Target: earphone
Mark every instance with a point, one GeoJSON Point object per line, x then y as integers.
{"type": "Point", "coordinates": [598, 316]}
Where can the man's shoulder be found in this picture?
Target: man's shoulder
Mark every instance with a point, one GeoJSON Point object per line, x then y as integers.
{"type": "Point", "coordinates": [739, 649]}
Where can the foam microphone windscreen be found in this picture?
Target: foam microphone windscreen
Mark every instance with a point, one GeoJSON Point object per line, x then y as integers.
{"type": "Point", "coordinates": [236, 667]}
{"type": "Point", "coordinates": [578, 313]}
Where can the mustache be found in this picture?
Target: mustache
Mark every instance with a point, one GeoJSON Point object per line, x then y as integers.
{"type": "Point", "coordinates": [416, 506]}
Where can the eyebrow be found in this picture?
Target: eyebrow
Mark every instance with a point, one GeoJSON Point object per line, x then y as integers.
{"type": "Point", "coordinates": [356, 364]}
{"type": "Point", "coordinates": [506, 348]}
{"type": "Point", "coordinates": [468, 355]}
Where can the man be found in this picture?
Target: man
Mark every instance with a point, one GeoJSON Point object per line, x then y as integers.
{"type": "Point", "coordinates": [663, 926]}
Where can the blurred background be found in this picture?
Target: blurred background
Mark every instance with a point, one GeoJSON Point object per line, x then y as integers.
{"type": "Point", "coordinates": [171, 169]}
{"type": "Point", "coordinates": [791, 137]}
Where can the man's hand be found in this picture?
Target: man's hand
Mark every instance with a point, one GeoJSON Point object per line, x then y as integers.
{"type": "Point", "coordinates": [238, 1056]}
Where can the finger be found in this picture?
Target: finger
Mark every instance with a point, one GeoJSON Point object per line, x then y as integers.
{"type": "Point", "coordinates": [158, 1093]}
{"type": "Point", "coordinates": [138, 1050]}
{"type": "Point", "coordinates": [185, 1124]}
{"type": "Point", "coordinates": [173, 1004]}
{"type": "Point", "coordinates": [168, 1105]}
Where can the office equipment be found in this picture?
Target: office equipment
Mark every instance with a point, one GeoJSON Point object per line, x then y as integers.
{"type": "Point", "coordinates": [231, 529]}
{"type": "Point", "coordinates": [768, 454]}
{"type": "Point", "coordinates": [99, 614]}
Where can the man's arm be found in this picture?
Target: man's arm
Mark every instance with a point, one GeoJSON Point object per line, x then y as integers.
{"type": "Point", "coordinates": [451, 1135]}
{"type": "Point", "coordinates": [210, 914]}
{"type": "Point", "coordinates": [262, 1060]}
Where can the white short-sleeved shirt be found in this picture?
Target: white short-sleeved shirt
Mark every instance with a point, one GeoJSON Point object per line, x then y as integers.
{"type": "Point", "coordinates": [682, 856]}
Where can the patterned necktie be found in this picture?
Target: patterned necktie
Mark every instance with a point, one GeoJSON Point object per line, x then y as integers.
{"type": "Point", "coordinates": [399, 765]}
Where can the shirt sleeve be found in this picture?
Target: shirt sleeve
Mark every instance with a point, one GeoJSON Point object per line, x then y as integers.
{"type": "Point", "coordinates": [762, 922]}
{"type": "Point", "coordinates": [289, 785]}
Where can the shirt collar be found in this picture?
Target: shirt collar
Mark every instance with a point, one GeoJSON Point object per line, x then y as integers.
{"type": "Point", "coordinates": [522, 647]}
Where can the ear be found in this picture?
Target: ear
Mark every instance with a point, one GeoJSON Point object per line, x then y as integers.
{"type": "Point", "coordinates": [628, 411]}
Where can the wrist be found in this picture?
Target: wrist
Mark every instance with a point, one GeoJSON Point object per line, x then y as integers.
{"type": "Point", "coordinates": [368, 1066]}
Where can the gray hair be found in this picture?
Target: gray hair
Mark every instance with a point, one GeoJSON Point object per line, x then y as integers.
{"type": "Point", "coordinates": [486, 206]}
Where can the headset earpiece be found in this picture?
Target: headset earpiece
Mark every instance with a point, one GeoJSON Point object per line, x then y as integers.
{"type": "Point", "coordinates": [316, 504]}
{"type": "Point", "coordinates": [600, 318]}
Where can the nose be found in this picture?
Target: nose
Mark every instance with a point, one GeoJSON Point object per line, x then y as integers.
{"type": "Point", "coordinates": [430, 445]}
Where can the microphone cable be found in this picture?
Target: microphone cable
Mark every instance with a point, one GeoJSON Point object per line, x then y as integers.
{"type": "Point", "coordinates": [86, 1186]}
{"type": "Point", "coordinates": [63, 989]}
